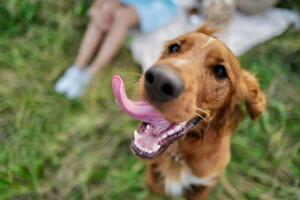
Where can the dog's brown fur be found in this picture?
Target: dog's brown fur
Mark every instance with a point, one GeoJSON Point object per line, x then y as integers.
{"type": "Point", "coordinates": [206, 149]}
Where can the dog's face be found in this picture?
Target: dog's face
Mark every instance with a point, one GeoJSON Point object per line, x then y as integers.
{"type": "Point", "coordinates": [196, 74]}
{"type": "Point", "coordinates": [196, 77]}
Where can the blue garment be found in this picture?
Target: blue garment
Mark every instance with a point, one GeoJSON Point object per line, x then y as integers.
{"type": "Point", "coordinates": [153, 13]}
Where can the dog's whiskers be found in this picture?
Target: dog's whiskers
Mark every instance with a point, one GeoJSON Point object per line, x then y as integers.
{"type": "Point", "coordinates": [203, 111]}
{"type": "Point", "coordinates": [136, 74]}
{"type": "Point", "coordinates": [132, 84]}
{"type": "Point", "coordinates": [202, 117]}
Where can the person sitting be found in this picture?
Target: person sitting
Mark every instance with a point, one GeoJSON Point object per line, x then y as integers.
{"type": "Point", "coordinates": [108, 27]}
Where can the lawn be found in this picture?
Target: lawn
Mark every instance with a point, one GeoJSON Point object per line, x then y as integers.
{"type": "Point", "coordinates": [53, 148]}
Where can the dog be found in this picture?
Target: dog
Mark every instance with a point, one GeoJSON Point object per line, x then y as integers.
{"type": "Point", "coordinates": [193, 101]}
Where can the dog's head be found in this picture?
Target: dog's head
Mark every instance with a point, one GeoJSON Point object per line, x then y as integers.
{"type": "Point", "coordinates": [197, 78]}
{"type": "Point", "coordinates": [198, 75]}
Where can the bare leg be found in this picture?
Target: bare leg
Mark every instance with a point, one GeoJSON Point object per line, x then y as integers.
{"type": "Point", "coordinates": [89, 44]}
{"type": "Point", "coordinates": [123, 19]}
{"type": "Point", "coordinates": [100, 14]}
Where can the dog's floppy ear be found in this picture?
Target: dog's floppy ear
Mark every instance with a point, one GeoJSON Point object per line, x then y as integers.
{"type": "Point", "coordinates": [254, 97]}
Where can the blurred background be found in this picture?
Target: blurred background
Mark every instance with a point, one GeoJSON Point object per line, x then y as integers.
{"type": "Point", "coordinates": [54, 148]}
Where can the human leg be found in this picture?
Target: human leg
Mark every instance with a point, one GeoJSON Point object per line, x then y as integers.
{"type": "Point", "coordinates": [123, 19]}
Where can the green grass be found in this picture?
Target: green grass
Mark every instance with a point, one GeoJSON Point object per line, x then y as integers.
{"type": "Point", "coordinates": [52, 148]}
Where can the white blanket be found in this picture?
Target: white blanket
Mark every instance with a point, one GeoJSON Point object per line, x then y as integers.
{"type": "Point", "coordinates": [242, 34]}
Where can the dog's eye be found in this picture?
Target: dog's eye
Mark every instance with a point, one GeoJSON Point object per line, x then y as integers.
{"type": "Point", "coordinates": [219, 71]}
{"type": "Point", "coordinates": [174, 48]}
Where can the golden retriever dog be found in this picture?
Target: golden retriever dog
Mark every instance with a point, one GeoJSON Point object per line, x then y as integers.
{"type": "Point", "coordinates": [194, 97]}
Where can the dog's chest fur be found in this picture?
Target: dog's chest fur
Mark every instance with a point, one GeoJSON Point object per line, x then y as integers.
{"type": "Point", "coordinates": [178, 177]}
{"type": "Point", "coordinates": [175, 186]}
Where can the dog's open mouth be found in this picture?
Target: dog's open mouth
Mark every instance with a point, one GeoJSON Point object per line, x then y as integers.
{"type": "Point", "coordinates": [156, 133]}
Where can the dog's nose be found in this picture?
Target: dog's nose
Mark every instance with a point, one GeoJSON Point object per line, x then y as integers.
{"type": "Point", "coordinates": [162, 84]}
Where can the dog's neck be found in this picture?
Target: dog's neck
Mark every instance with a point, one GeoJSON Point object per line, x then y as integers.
{"type": "Point", "coordinates": [207, 142]}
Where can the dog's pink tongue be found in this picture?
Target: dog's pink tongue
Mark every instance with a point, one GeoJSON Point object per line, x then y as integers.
{"type": "Point", "coordinates": [139, 110]}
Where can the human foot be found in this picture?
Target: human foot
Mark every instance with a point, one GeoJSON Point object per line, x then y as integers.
{"type": "Point", "coordinates": [79, 85]}
{"type": "Point", "coordinates": [64, 82]}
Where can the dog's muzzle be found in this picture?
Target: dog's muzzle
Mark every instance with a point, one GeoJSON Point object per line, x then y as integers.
{"type": "Point", "coordinates": [162, 83]}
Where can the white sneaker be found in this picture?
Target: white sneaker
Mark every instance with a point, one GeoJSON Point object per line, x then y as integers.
{"type": "Point", "coordinates": [79, 85]}
{"type": "Point", "coordinates": [67, 79]}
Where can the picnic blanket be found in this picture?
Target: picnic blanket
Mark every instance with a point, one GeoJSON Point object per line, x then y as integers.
{"type": "Point", "coordinates": [242, 34]}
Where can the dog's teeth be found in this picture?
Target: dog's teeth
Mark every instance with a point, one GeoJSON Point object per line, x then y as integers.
{"type": "Point", "coordinates": [136, 135]}
{"type": "Point", "coordinates": [177, 129]}
{"type": "Point", "coordinates": [147, 150]}
{"type": "Point", "coordinates": [137, 144]}
{"type": "Point", "coordinates": [140, 147]}
{"type": "Point", "coordinates": [170, 132]}
{"type": "Point", "coordinates": [182, 125]}
{"type": "Point", "coordinates": [147, 128]}
{"type": "Point", "coordinates": [156, 147]}
{"type": "Point", "coordinates": [143, 148]}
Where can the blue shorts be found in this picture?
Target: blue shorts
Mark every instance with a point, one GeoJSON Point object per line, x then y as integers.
{"type": "Point", "coordinates": [153, 13]}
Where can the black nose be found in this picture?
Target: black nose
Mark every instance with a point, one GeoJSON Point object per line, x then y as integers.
{"type": "Point", "coordinates": [162, 84]}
